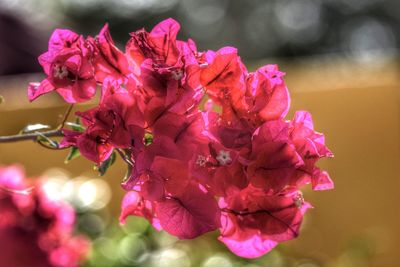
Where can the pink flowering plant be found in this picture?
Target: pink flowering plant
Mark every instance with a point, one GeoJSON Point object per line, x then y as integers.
{"type": "Point", "coordinates": [36, 230]}
{"type": "Point", "coordinates": [206, 142]}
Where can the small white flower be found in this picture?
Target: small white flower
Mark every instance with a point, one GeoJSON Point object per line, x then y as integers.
{"type": "Point", "coordinates": [60, 72]}
{"type": "Point", "coordinates": [298, 200]}
{"type": "Point", "coordinates": [177, 74]}
{"type": "Point", "coordinates": [201, 160]}
{"type": "Point", "coordinates": [224, 157]}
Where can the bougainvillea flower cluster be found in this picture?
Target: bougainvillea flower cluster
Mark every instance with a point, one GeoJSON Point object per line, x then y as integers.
{"type": "Point", "coordinates": [36, 230]}
{"type": "Point", "coordinates": [206, 141]}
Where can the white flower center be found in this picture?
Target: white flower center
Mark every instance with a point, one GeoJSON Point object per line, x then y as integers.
{"type": "Point", "coordinates": [177, 74]}
{"type": "Point", "coordinates": [298, 200]}
{"type": "Point", "coordinates": [60, 72]}
{"type": "Point", "coordinates": [201, 160]}
{"type": "Point", "coordinates": [224, 157]}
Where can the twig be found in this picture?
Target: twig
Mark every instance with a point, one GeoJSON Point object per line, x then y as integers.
{"type": "Point", "coordinates": [33, 136]}
{"type": "Point", "coordinates": [65, 117]}
{"type": "Point", "coordinates": [30, 136]}
{"type": "Point", "coordinates": [125, 156]}
{"type": "Point", "coordinates": [51, 147]}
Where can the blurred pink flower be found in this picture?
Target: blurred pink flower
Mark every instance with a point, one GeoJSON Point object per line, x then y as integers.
{"type": "Point", "coordinates": [34, 229]}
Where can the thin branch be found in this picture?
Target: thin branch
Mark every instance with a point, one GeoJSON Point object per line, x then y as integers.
{"type": "Point", "coordinates": [51, 147]}
{"type": "Point", "coordinates": [30, 136]}
{"type": "Point", "coordinates": [125, 157]}
{"type": "Point", "coordinates": [65, 117]}
{"type": "Point", "coordinates": [33, 136]}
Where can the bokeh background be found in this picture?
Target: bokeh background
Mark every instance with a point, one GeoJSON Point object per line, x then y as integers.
{"type": "Point", "coordinates": [342, 63]}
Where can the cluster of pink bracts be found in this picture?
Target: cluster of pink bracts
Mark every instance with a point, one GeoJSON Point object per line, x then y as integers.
{"type": "Point", "coordinates": [208, 141]}
{"type": "Point", "coordinates": [36, 230]}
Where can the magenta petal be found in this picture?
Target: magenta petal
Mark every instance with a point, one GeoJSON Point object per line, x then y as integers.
{"type": "Point", "coordinates": [174, 172]}
{"type": "Point", "coordinates": [252, 247]}
{"type": "Point", "coordinates": [121, 138]}
{"type": "Point", "coordinates": [302, 132]}
{"type": "Point", "coordinates": [274, 166]}
{"type": "Point", "coordinates": [37, 89]}
{"type": "Point", "coordinates": [67, 94]}
{"type": "Point", "coordinates": [321, 181]}
{"type": "Point", "coordinates": [12, 177]}
{"type": "Point", "coordinates": [223, 80]}
{"type": "Point", "coordinates": [253, 218]}
{"type": "Point", "coordinates": [92, 150]}
{"type": "Point", "coordinates": [85, 90]}
{"type": "Point", "coordinates": [45, 61]}
{"type": "Point", "coordinates": [304, 118]}
{"type": "Point", "coordinates": [70, 138]}
{"type": "Point", "coordinates": [171, 125]}
{"type": "Point", "coordinates": [62, 38]}
{"type": "Point", "coordinates": [80, 91]}
{"type": "Point", "coordinates": [134, 204]}
{"type": "Point", "coordinates": [271, 131]}
{"type": "Point", "coordinates": [192, 214]}
{"type": "Point", "coordinates": [163, 37]}
{"type": "Point", "coordinates": [88, 147]}
{"type": "Point", "coordinates": [168, 27]}
{"type": "Point", "coordinates": [74, 62]}
{"type": "Point", "coordinates": [110, 61]}
{"type": "Point", "coordinates": [278, 104]}
{"type": "Point", "coordinates": [153, 188]}
{"type": "Point", "coordinates": [129, 205]}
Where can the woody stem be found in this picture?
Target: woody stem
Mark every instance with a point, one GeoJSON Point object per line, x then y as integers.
{"type": "Point", "coordinates": [33, 136]}
{"type": "Point", "coordinates": [65, 117]}
{"type": "Point", "coordinates": [30, 136]}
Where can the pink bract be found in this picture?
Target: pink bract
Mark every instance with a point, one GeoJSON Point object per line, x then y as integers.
{"type": "Point", "coordinates": [206, 141]}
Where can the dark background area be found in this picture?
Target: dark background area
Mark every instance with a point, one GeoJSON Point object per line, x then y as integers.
{"type": "Point", "coordinates": [289, 29]}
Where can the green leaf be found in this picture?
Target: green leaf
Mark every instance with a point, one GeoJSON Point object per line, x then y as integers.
{"type": "Point", "coordinates": [106, 164]}
{"type": "Point", "coordinates": [76, 126]}
{"type": "Point", "coordinates": [148, 139]}
{"type": "Point", "coordinates": [44, 139]}
{"type": "Point", "coordinates": [73, 154]}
